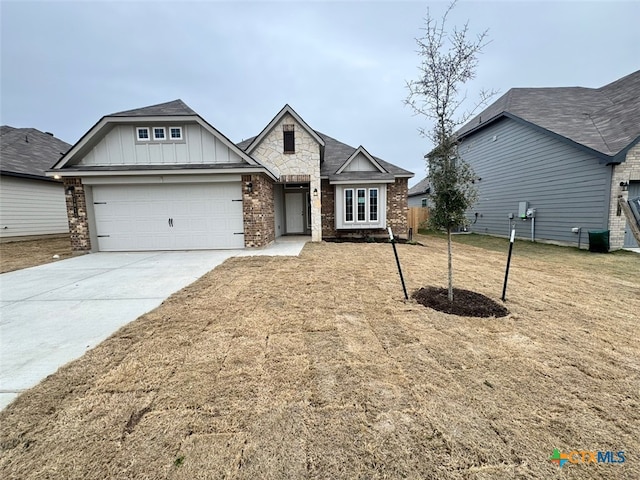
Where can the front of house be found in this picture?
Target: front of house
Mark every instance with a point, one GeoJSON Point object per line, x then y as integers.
{"type": "Point", "coordinates": [163, 178]}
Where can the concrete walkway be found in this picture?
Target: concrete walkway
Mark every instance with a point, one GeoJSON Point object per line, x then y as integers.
{"type": "Point", "coordinates": [53, 313]}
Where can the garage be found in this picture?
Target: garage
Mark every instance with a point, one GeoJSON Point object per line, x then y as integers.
{"type": "Point", "coordinates": [183, 216]}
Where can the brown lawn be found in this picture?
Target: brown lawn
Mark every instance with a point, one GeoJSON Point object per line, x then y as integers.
{"type": "Point", "coordinates": [29, 253]}
{"type": "Point", "coordinates": [315, 368]}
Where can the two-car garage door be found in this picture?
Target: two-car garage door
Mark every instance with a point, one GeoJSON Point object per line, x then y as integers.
{"type": "Point", "coordinates": [168, 216]}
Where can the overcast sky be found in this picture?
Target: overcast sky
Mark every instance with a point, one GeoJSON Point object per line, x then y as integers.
{"type": "Point", "coordinates": [341, 65]}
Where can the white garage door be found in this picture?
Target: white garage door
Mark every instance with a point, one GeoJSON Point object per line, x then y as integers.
{"type": "Point", "coordinates": [168, 216]}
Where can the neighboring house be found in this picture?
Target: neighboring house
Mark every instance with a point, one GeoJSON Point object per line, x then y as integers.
{"type": "Point", "coordinates": [563, 154]}
{"type": "Point", "coordinates": [419, 193]}
{"type": "Point", "coordinates": [31, 204]}
{"type": "Point", "coordinates": [163, 178]}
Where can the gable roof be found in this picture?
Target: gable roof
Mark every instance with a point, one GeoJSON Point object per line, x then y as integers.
{"type": "Point", "coordinates": [337, 153]}
{"type": "Point", "coordinates": [28, 152]}
{"type": "Point", "coordinates": [367, 155]}
{"type": "Point", "coordinates": [163, 111]}
{"type": "Point", "coordinates": [605, 120]}
{"type": "Point", "coordinates": [421, 188]}
{"type": "Point", "coordinates": [175, 107]}
{"type": "Point", "coordinates": [255, 141]}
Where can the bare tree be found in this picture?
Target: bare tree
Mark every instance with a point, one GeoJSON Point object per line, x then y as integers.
{"type": "Point", "coordinates": [448, 60]}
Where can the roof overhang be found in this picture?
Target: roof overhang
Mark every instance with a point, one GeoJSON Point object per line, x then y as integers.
{"type": "Point", "coordinates": [161, 170]}
{"type": "Point", "coordinates": [602, 157]}
{"type": "Point", "coordinates": [29, 176]}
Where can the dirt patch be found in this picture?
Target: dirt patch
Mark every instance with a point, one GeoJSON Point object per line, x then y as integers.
{"type": "Point", "coordinates": [465, 302]}
{"type": "Point", "coordinates": [316, 367]}
{"type": "Point", "coordinates": [30, 253]}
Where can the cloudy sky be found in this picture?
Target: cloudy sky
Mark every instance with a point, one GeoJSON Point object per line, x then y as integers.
{"type": "Point", "coordinates": [341, 65]}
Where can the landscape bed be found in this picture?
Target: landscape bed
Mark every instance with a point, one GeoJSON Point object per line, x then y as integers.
{"type": "Point", "coordinates": [315, 367]}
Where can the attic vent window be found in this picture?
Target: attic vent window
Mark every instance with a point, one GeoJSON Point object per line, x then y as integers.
{"type": "Point", "coordinates": [289, 138]}
{"type": "Point", "coordinates": [175, 133]}
{"type": "Point", "coordinates": [143, 134]}
{"type": "Point", "coordinates": [159, 133]}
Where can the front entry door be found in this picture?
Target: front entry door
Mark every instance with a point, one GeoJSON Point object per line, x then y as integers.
{"type": "Point", "coordinates": [294, 206]}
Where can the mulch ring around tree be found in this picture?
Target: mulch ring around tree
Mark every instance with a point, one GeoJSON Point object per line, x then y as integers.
{"type": "Point", "coordinates": [465, 302]}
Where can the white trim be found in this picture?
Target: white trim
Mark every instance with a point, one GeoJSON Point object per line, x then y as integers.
{"type": "Point", "coordinates": [368, 156]}
{"type": "Point", "coordinates": [164, 134]}
{"type": "Point", "coordinates": [171, 137]}
{"type": "Point", "coordinates": [359, 182]}
{"type": "Point", "coordinates": [138, 139]}
{"type": "Point", "coordinates": [106, 173]}
{"type": "Point", "coordinates": [341, 221]}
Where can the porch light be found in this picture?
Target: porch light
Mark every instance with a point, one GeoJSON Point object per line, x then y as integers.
{"type": "Point", "coordinates": [315, 192]}
{"type": "Point", "coordinates": [624, 186]}
{"type": "Point", "coordinates": [70, 190]}
{"type": "Point", "coordinates": [249, 187]}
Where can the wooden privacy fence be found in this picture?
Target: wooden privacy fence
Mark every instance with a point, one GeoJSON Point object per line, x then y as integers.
{"type": "Point", "coordinates": [417, 217]}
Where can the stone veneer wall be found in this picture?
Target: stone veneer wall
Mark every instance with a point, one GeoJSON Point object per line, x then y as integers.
{"type": "Point", "coordinates": [78, 223]}
{"type": "Point", "coordinates": [397, 207]}
{"type": "Point", "coordinates": [305, 161]}
{"type": "Point", "coordinates": [328, 193]}
{"type": "Point", "coordinates": [258, 211]}
{"type": "Point", "coordinates": [627, 171]}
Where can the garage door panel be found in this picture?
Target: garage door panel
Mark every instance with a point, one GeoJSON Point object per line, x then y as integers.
{"type": "Point", "coordinates": [136, 217]}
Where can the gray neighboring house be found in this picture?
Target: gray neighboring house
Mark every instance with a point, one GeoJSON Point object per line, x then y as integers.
{"type": "Point", "coordinates": [565, 154]}
{"type": "Point", "coordinates": [419, 193]}
{"type": "Point", "coordinates": [31, 204]}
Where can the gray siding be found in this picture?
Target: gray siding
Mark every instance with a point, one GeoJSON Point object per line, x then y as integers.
{"type": "Point", "coordinates": [31, 207]}
{"type": "Point", "coordinates": [119, 147]}
{"type": "Point", "coordinates": [567, 186]}
{"type": "Point", "coordinates": [417, 200]}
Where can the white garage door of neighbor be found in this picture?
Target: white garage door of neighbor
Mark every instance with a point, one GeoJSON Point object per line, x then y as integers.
{"type": "Point", "coordinates": [168, 216]}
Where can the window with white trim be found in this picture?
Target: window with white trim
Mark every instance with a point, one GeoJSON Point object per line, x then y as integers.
{"type": "Point", "coordinates": [159, 133]}
{"type": "Point", "coordinates": [361, 205]}
{"type": "Point", "coordinates": [175, 133]}
{"type": "Point", "coordinates": [348, 205]}
{"type": "Point", "coordinates": [143, 134]}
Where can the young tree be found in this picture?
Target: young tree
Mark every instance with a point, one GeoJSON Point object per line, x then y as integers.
{"type": "Point", "coordinates": [448, 60]}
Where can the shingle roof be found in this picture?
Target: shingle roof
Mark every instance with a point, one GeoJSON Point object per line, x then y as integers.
{"type": "Point", "coordinates": [335, 154]}
{"type": "Point", "coordinates": [605, 119]}
{"type": "Point", "coordinates": [173, 108]}
{"type": "Point", "coordinates": [420, 188]}
{"type": "Point", "coordinates": [27, 151]}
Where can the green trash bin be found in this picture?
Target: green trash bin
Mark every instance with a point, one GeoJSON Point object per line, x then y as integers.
{"type": "Point", "coordinates": [599, 241]}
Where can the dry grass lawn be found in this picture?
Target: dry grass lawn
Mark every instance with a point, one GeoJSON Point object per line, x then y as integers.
{"type": "Point", "coordinates": [30, 253]}
{"type": "Point", "coordinates": [315, 368]}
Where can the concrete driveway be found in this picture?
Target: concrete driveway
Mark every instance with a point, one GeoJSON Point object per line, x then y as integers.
{"type": "Point", "coordinates": [53, 313]}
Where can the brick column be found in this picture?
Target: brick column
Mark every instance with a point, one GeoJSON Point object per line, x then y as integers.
{"type": "Point", "coordinates": [258, 210]}
{"type": "Point", "coordinates": [77, 214]}
{"type": "Point", "coordinates": [397, 207]}
{"type": "Point", "coordinates": [328, 195]}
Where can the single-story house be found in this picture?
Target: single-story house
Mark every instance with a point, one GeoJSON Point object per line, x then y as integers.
{"type": "Point", "coordinates": [419, 193]}
{"type": "Point", "coordinates": [31, 204]}
{"type": "Point", "coordinates": [556, 160]}
{"type": "Point", "coordinates": [163, 178]}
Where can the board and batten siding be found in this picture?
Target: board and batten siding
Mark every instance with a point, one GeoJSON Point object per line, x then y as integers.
{"type": "Point", "coordinates": [31, 207]}
{"type": "Point", "coordinates": [567, 186]}
{"type": "Point", "coordinates": [120, 147]}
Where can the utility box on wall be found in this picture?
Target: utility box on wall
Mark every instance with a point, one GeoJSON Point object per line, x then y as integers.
{"type": "Point", "coordinates": [522, 210]}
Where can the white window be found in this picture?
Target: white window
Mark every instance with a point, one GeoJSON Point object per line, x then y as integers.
{"type": "Point", "coordinates": [175, 133]}
{"type": "Point", "coordinates": [348, 205]}
{"type": "Point", "coordinates": [361, 206]}
{"type": "Point", "coordinates": [159, 133]}
{"type": "Point", "coordinates": [143, 134]}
